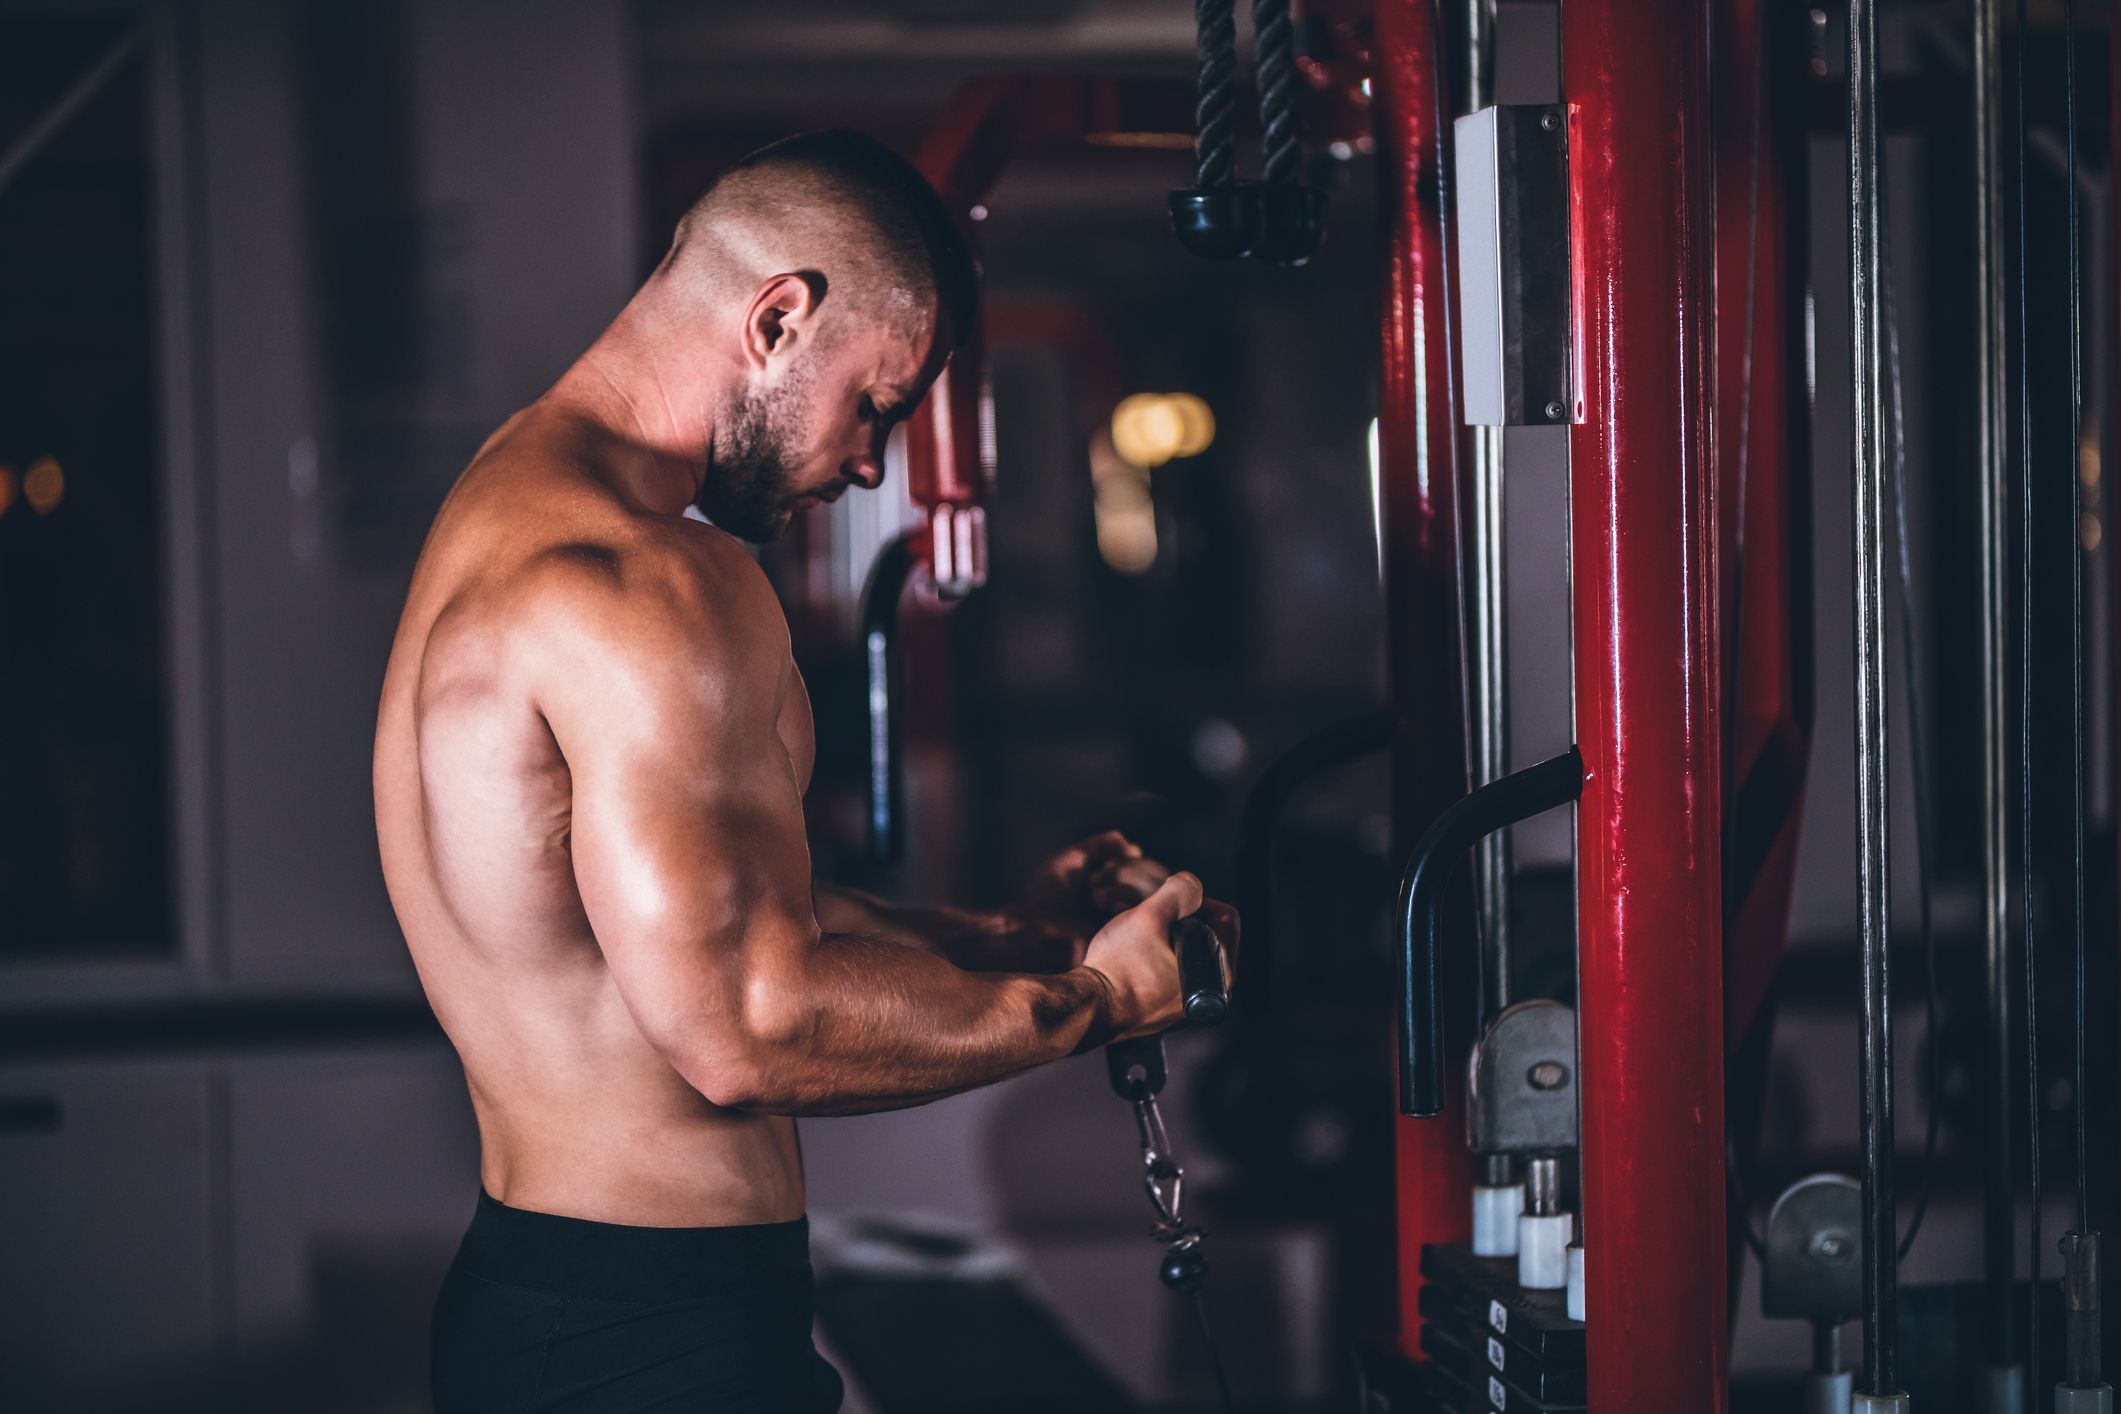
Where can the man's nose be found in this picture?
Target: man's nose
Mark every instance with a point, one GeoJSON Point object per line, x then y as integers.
{"type": "Point", "coordinates": [865, 471]}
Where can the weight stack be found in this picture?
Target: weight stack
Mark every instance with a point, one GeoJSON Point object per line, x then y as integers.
{"type": "Point", "coordinates": [1492, 1347]}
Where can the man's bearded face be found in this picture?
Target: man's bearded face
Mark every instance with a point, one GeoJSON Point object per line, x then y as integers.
{"type": "Point", "coordinates": [750, 489]}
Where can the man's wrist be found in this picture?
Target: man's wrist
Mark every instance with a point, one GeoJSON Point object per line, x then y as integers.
{"type": "Point", "coordinates": [1107, 1016]}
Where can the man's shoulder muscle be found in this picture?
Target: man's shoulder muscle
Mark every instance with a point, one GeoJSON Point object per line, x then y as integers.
{"type": "Point", "coordinates": [675, 620]}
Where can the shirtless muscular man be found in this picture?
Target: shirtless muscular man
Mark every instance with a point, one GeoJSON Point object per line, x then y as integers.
{"type": "Point", "coordinates": [590, 760]}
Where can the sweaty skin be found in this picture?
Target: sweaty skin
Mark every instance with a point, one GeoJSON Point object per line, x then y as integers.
{"type": "Point", "coordinates": [590, 758]}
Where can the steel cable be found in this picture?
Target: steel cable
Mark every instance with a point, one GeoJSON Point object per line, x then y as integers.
{"type": "Point", "coordinates": [1743, 477]}
{"type": "Point", "coordinates": [2076, 603]}
{"type": "Point", "coordinates": [1452, 478]}
{"type": "Point", "coordinates": [1873, 777]}
{"type": "Point", "coordinates": [1215, 1356]}
{"type": "Point", "coordinates": [2025, 717]}
{"type": "Point", "coordinates": [1918, 762]}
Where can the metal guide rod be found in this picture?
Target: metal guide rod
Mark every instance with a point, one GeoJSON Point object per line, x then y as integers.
{"type": "Point", "coordinates": [1491, 728]}
{"type": "Point", "coordinates": [2076, 607]}
{"type": "Point", "coordinates": [1489, 583]}
{"type": "Point", "coordinates": [1479, 36]}
{"type": "Point", "coordinates": [2081, 1390]}
{"type": "Point", "coordinates": [1999, 1245]}
{"type": "Point", "coordinates": [1866, 267]}
{"type": "Point", "coordinates": [2031, 995]}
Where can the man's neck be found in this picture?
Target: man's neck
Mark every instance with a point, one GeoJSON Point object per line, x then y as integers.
{"type": "Point", "coordinates": [620, 384]}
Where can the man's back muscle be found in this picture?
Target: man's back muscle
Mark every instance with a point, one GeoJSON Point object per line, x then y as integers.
{"type": "Point", "coordinates": [532, 557]}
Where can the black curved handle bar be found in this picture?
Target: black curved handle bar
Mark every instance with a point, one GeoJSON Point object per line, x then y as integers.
{"type": "Point", "coordinates": [1321, 751]}
{"type": "Point", "coordinates": [1517, 796]}
{"type": "Point", "coordinates": [881, 594]}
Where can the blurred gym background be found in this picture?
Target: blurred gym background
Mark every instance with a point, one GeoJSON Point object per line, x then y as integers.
{"type": "Point", "coordinates": [269, 272]}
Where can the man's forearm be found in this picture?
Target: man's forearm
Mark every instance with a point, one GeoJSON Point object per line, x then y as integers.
{"type": "Point", "coordinates": [977, 940]}
{"type": "Point", "coordinates": [861, 1023]}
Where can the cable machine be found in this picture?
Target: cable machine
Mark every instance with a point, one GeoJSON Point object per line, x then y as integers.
{"type": "Point", "coordinates": [1628, 261]}
{"type": "Point", "coordinates": [1625, 262]}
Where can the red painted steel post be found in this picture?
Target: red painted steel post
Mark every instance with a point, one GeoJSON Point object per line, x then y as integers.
{"type": "Point", "coordinates": [1647, 677]}
{"type": "Point", "coordinates": [1418, 437]}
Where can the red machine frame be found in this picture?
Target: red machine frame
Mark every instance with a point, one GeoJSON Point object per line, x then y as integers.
{"type": "Point", "coordinates": [1644, 542]}
{"type": "Point", "coordinates": [1661, 364]}
{"type": "Point", "coordinates": [1419, 445]}
{"type": "Point", "coordinates": [1661, 361]}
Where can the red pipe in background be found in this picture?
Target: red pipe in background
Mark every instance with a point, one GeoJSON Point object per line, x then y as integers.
{"type": "Point", "coordinates": [948, 464]}
{"type": "Point", "coordinates": [985, 124]}
{"type": "Point", "coordinates": [1765, 581]}
{"type": "Point", "coordinates": [1647, 679]}
{"type": "Point", "coordinates": [1763, 481]}
{"type": "Point", "coordinates": [1418, 439]}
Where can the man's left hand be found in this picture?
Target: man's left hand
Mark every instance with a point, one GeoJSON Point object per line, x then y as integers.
{"type": "Point", "coordinates": [1073, 894]}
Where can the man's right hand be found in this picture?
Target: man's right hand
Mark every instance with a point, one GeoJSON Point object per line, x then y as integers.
{"type": "Point", "coordinates": [1133, 953]}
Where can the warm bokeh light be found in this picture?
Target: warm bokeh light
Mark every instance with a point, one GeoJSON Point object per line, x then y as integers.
{"type": "Point", "coordinates": [1127, 542]}
{"type": "Point", "coordinates": [1147, 142]}
{"type": "Point", "coordinates": [1149, 429]}
{"type": "Point", "coordinates": [10, 487]}
{"type": "Point", "coordinates": [1196, 423]}
{"type": "Point", "coordinates": [1125, 511]}
{"type": "Point", "coordinates": [43, 485]}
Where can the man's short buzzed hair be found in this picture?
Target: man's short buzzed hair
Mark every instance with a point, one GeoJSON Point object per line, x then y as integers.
{"type": "Point", "coordinates": [897, 245]}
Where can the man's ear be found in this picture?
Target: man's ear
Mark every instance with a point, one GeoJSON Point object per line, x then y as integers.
{"type": "Point", "coordinates": [782, 312]}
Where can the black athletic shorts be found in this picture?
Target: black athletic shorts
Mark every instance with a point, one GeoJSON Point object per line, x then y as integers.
{"type": "Point", "coordinates": [541, 1313]}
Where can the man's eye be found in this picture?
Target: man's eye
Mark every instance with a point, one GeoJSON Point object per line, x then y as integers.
{"type": "Point", "coordinates": [868, 410]}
